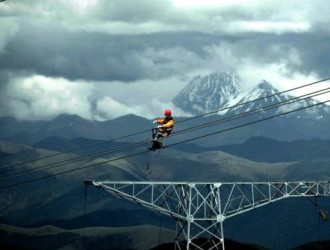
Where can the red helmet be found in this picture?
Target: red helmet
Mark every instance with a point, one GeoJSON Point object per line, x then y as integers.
{"type": "Point", "coordinates": [168, 112]}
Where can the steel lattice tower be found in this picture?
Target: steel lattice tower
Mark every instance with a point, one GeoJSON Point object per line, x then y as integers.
{"type": "Point", "coordinates": [200, 208]}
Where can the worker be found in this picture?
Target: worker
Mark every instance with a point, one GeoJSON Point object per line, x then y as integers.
{"type": "Point", "coordinates": [164, 128]}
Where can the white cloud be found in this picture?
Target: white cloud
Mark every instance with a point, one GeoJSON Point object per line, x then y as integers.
{"type": "Point", "coordinates": [283, 79]}
{"type": "Point", "coordinates": [253, 68]}
{"type": "Point", "coordinates": [268, 27]}
{"type": "Point", "coordinates": [78, 7]}
{"type": "Point", "coordinates": [244, 16]}
{"type": "Point", "coordinates": [231, 35]}
{"type": "Point", "coordinates": [146, 98]}
{"type": "Point", "coordinates": [120, 27]}
{"type": "Point", "coordinates": [40, 97]}
{"type": "Point", "coordinates": [141, 92]}
{"type": "Point", "coordinates": [148, 16]}
{"type": "Point", "coordinates": [108, 108]}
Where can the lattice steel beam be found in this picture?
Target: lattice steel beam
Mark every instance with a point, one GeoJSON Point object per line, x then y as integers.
{"type": "Point", "coordinates": [201, 207]}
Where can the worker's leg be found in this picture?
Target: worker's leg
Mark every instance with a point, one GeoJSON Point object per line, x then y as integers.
{"type": "Point", "coordinates": [156, 145]}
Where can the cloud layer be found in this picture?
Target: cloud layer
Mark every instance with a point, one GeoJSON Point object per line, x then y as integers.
{"type": "Point", "coordinates": [102, 59]}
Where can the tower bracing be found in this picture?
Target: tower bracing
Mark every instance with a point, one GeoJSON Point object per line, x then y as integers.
{"type": "Point", "coordinates": [200, 208]}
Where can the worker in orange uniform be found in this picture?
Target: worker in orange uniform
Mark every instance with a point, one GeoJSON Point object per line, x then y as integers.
{"type": "Point", "coordinates": [164, 128]}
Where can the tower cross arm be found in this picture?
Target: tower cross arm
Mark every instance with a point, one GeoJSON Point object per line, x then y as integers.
{"type": "Point", "coordinates": [209, 200]}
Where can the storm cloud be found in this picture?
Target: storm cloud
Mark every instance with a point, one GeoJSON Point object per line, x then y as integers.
{"type": "Point", "coordinates": [115, 57]}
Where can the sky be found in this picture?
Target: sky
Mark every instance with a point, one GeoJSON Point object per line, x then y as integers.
{"type": "Point", "coordinates": [102, 59]}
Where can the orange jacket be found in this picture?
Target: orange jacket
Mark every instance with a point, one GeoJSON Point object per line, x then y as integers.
{"type": "Point", "coordinates": [167, 123]}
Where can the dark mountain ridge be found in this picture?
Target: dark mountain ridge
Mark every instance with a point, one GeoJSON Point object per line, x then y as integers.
{"type": "Point", "coordinates": [133, 128]}
{"type": "Point", "coordinates": [287, 148]}
{"type": "Point", "coordinates": [256, 148]}
{"type": "Point", "coordinates": [268, 150]}
{"type": "Point", "coordinates": [60, 200]}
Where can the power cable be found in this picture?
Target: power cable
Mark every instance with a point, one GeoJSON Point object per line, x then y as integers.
{"type": "Point", "coordinates": [251, 112]}
{"type": "Point", "coordinates": [247, 124]}
{"type": "Point", "coordinates": [76, 149]}
{"type": "Point", "coordinates": [173, 144]}
{"type": "Point", "coordinates": [256, 100]}
{"type": "Point", "coordinates": [184, 120]}
{"type": "Point", "coordinates": [70, 171]}
{"type": "Point", "coordinates": [65, 162]}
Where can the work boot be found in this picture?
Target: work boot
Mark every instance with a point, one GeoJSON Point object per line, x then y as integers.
{"type": "Point", "coordinates": [156, 145]}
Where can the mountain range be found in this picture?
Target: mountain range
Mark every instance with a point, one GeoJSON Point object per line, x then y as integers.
{"type": "Point", "coordinates": [233, 117]}
{"type": "Point", "coordinates": [45, 201]}
{"type": "Point", "coordinates": [58, 201]}
{"type": "Point", "coordinates": [208, 131]}
{"type": "Point", "coordinates": [221, 91]}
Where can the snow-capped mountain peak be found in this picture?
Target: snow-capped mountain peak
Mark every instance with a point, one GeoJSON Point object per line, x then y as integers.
{"type": "Point", "coordinates": [263, 95]}
{"type": "Point", "coordinates": [266, 86]}
{"type": "Point", "coordinates": [221, 92]}
{"type": "Point", "coordinates": [208, 93]}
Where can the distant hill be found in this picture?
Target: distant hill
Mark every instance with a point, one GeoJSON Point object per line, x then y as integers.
{"type": "Point", "coordinates": [269, 150]}
{"type": "Point", "coordinates": [61, 200]}
{"type": "Point", "coordinates": [202, 242]}
{"type": "Point", "coordinates": [212, 130]}
{"type": "Point", "coordinates": [55, 143]}
{"type": "Point", "coordinates": [39, 190]}
{"type": "Point", "coordinates": [319, 245]}
{"type": "Point", "coordinates": [49, 237]}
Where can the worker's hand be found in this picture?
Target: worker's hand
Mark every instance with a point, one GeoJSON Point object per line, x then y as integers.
{"type": "Point", "coordinates": [155, 121]}
{"type": "Point", "coordinates": [159, 126]}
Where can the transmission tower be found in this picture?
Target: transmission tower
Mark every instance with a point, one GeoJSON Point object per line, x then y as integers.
{"type": "Point", "coordinates": [200, 208]}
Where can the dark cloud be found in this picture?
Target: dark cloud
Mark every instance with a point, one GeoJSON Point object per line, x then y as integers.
{"type": "Point", "coordinates": [97, 56]}
{"type": "Point", "coordinates": [77, 55]}
{"type": "Point", "coordinates": [149, 43]}
{"type": "Point", "coordinates": [314, 50]}
{"type": "Point", "coordinates": [62, 48]}
{"type": "Point", "coordinates": [4, 79]}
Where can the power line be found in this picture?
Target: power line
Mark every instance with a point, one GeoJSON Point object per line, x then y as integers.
{"type": "Point", "coordinates": [255, 111]}
{"type": "Point", "coordinates": [66, 162]}
{"type": "Point", "coordinates": [184, 120]}
{"type": "Point", "coordinates": [249, 123]}
{"type": "Point", "coordinates": [218, 121]}
{"type": "Point", "coordinates": [69, 171]}
{"type": "Point", "coordinates": [256, 100]}
{"type": "Point", "coordinates": [76, 149]}
{"type": "Point", "coordinates": [173, 144]}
